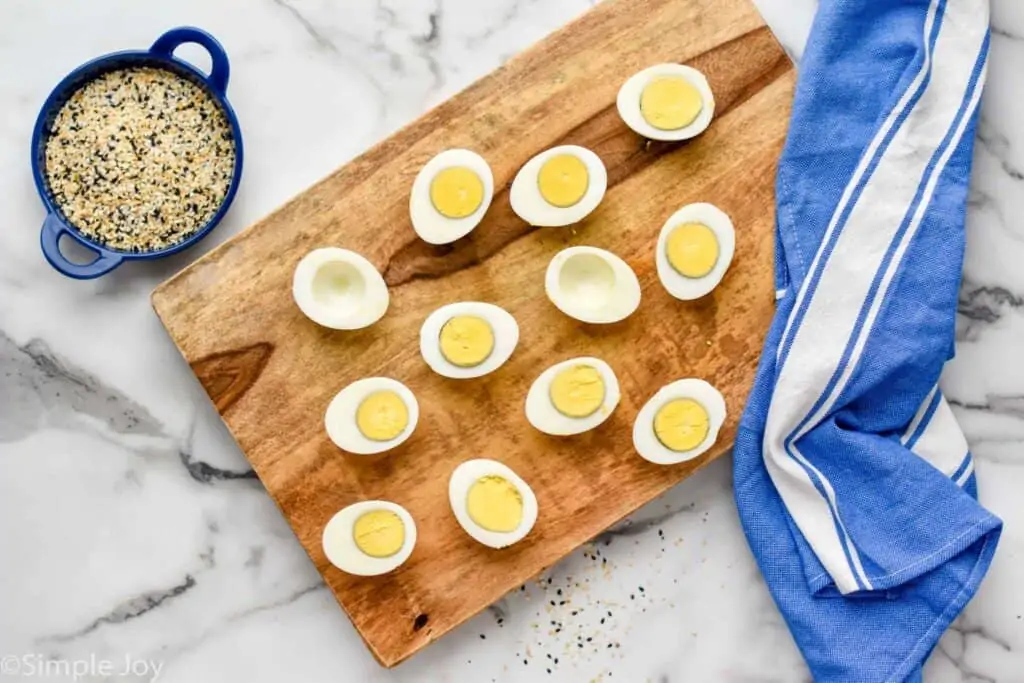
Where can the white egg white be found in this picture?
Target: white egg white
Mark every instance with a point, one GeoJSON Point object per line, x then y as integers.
{"type": "Point", "coordinates": [543, 415]}
{"type": "Point", "coordinates": [677, 284]}
{"type": "Point", "coordinates": [503, 325]}
{"type": "Point", "coordinates": [628, 102]}
{"type": "Point", "coordinates": [528, 203]}
{"type": "Point", "coordinates": [340, 419]}
{"type": "Point", "coordinates": [339, 289]}
{"type": "Point", "coordinates": [340, 545]}
{"type": "Point", "coordinates": [592, 285]}
{"type": "Point", "coordinates": [431, 225]}
{"type": "Point", "coordinates": [646, 441]}
{"type": "Point", "coordinates": [458, 489]}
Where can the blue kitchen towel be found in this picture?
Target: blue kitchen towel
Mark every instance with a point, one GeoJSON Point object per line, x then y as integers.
{"type": "Point", "coordinates": [853, 480]}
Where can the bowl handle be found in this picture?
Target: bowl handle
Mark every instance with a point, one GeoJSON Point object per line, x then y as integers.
{"type": "Point", "coordinates": [166, 44]}
{"type": "Point", "coordinates": [53, 229]}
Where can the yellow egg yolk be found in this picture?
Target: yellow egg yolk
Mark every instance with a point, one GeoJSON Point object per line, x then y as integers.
{"type": "Point", "coordinates": [563, 180]}
{"type": "Point", "coordinates": [456, 192]}
{"type": "Point", "coordinates": [692, 249]}
{"type": "Point", "coordinates": [379, 533]}
{"type": "Point", "coordinates": [577, 391]}
{"type": "Point", "coordinates": [682, 424]}
{"type": "Point", "coordinates": [382, 416]}
{"type": "Point", "coordinates": [495, 504]}
{"type": "Point", "coordinates": [466, 340]}
{"type": "Point", "coordinates": [670, 103]}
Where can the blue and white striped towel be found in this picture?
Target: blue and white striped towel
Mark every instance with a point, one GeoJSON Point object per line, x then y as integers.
{"type": "Point", "coordinates": [853, 480]}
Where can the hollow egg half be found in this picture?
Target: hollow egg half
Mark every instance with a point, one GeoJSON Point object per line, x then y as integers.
{"type": "Point", "coordinates": [679, 423]}
{"type": "Point", "coordinates": [450, 196]}
{"type": "Point", "coordinates": [372, 415]}
{"type": "Point", "coordinates": [559, 186]}
{"type": "Point", "coordinates": [491, 502]}
{"type": "Point", "coordinates": [592, 285]}
{"type": "Point", "coordinates": [468, 339]}
{"type": "Point", "coordinates": [695, 248]}
{"type": "Point", "coordinates": [669, 102]}
{"type": "Point", "coordinates": [339, 289]}
{"type": "Point", "coordinates": [369, 538]}
{"type": "Point", "coordinates": [572, 397]}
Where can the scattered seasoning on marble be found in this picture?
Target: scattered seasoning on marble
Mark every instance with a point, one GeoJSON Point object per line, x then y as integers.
{"type": "Point", "coordinates": [139, 159]}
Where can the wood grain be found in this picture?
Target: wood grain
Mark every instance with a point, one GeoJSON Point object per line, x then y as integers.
{"type": "Point", "coordinates": [271, 372]}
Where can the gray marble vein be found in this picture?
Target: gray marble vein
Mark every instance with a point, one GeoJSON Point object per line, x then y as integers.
{"type": "Point", "coordinates": [635, 528]}
{"type": "Point", "coordinates": [39, 385]}
{"type": "Point", "coordinates": [987, 304]}
{"type": "Point", "coordinates": [132, 608]}
{"type": "Point", "coordinates": [998, 145]}
{"type": "Point", "coordinates": [205, 473]}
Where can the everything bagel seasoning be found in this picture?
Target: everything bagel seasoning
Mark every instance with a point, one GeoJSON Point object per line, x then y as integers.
{"type": "Point", "coordinates": [139, 159]}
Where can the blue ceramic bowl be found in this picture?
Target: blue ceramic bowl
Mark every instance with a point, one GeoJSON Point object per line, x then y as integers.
{"type": "Point", "coordinates": [160, 56]}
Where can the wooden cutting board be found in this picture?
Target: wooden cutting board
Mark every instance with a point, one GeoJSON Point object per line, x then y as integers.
{"type": "Point", "coordinates": [271, 372]}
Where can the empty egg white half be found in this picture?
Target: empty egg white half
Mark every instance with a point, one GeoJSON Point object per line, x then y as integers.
{"type": "Point", "coordinates": [349, 538]}
{"type": "Point", "coordinates": [631, 95]}
{"type": "Point", "coordinates": [503, 502]}
{"type": "Point", "coordinates": [592, 285]}
{"type": "Point", "coordinates": [339, 289]}
{"type": "Point", "coordinates": [468, 339]}
{"type": "Point", "coordinates": [678, 277]}
{"type": "Point", "coordinates": [527, 194]}
{"type": "Point", "coordinates": [394, 408]}
{"type": "Point", "coordinates": [560, 406]}
{"type": "Point", "coordinates": [442, 212]}
{"type": "Point", "coordinates": [682, 426]}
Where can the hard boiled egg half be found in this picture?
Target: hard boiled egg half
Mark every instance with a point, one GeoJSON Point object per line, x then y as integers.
{"type": "Point", "coordinates": [667, 102]}
{"type": "Point", "coordinates": [559, 186]}
{"type": "Point", "coordinates": [491, 502]}
{"type": "Point", "coordinates": [369, 538]}
{"type": "Point", "coordinates": [694, 250]}
{"type": "Point", "coordinates": [592, 285]}
{"type": "Point", "coordinates": [468, 339]}
{"type": "Point", "coordinates": [679, 423]}
{"type": "Point", "coordinates": [450, 196]}
{"type": "Point", "coordinates": [572, 397]}
{"type": "Point", "coordinates": [372, 415]}
{"type": "Point", "coordinates": [340, 289]}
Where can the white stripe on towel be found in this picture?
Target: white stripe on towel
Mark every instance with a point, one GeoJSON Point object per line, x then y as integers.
{"type": "Point", "coordinates": [942, 442]}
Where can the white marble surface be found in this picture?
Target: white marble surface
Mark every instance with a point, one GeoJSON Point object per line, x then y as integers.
{"type": "Point", "coordinates": [130, 524]}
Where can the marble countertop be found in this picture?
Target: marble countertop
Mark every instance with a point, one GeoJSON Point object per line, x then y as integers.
{"type": "Point", "coordinates": [134, 536]}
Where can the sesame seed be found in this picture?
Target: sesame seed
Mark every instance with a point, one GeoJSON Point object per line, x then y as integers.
{"type": "Point", "coordinates": [139, 159]}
